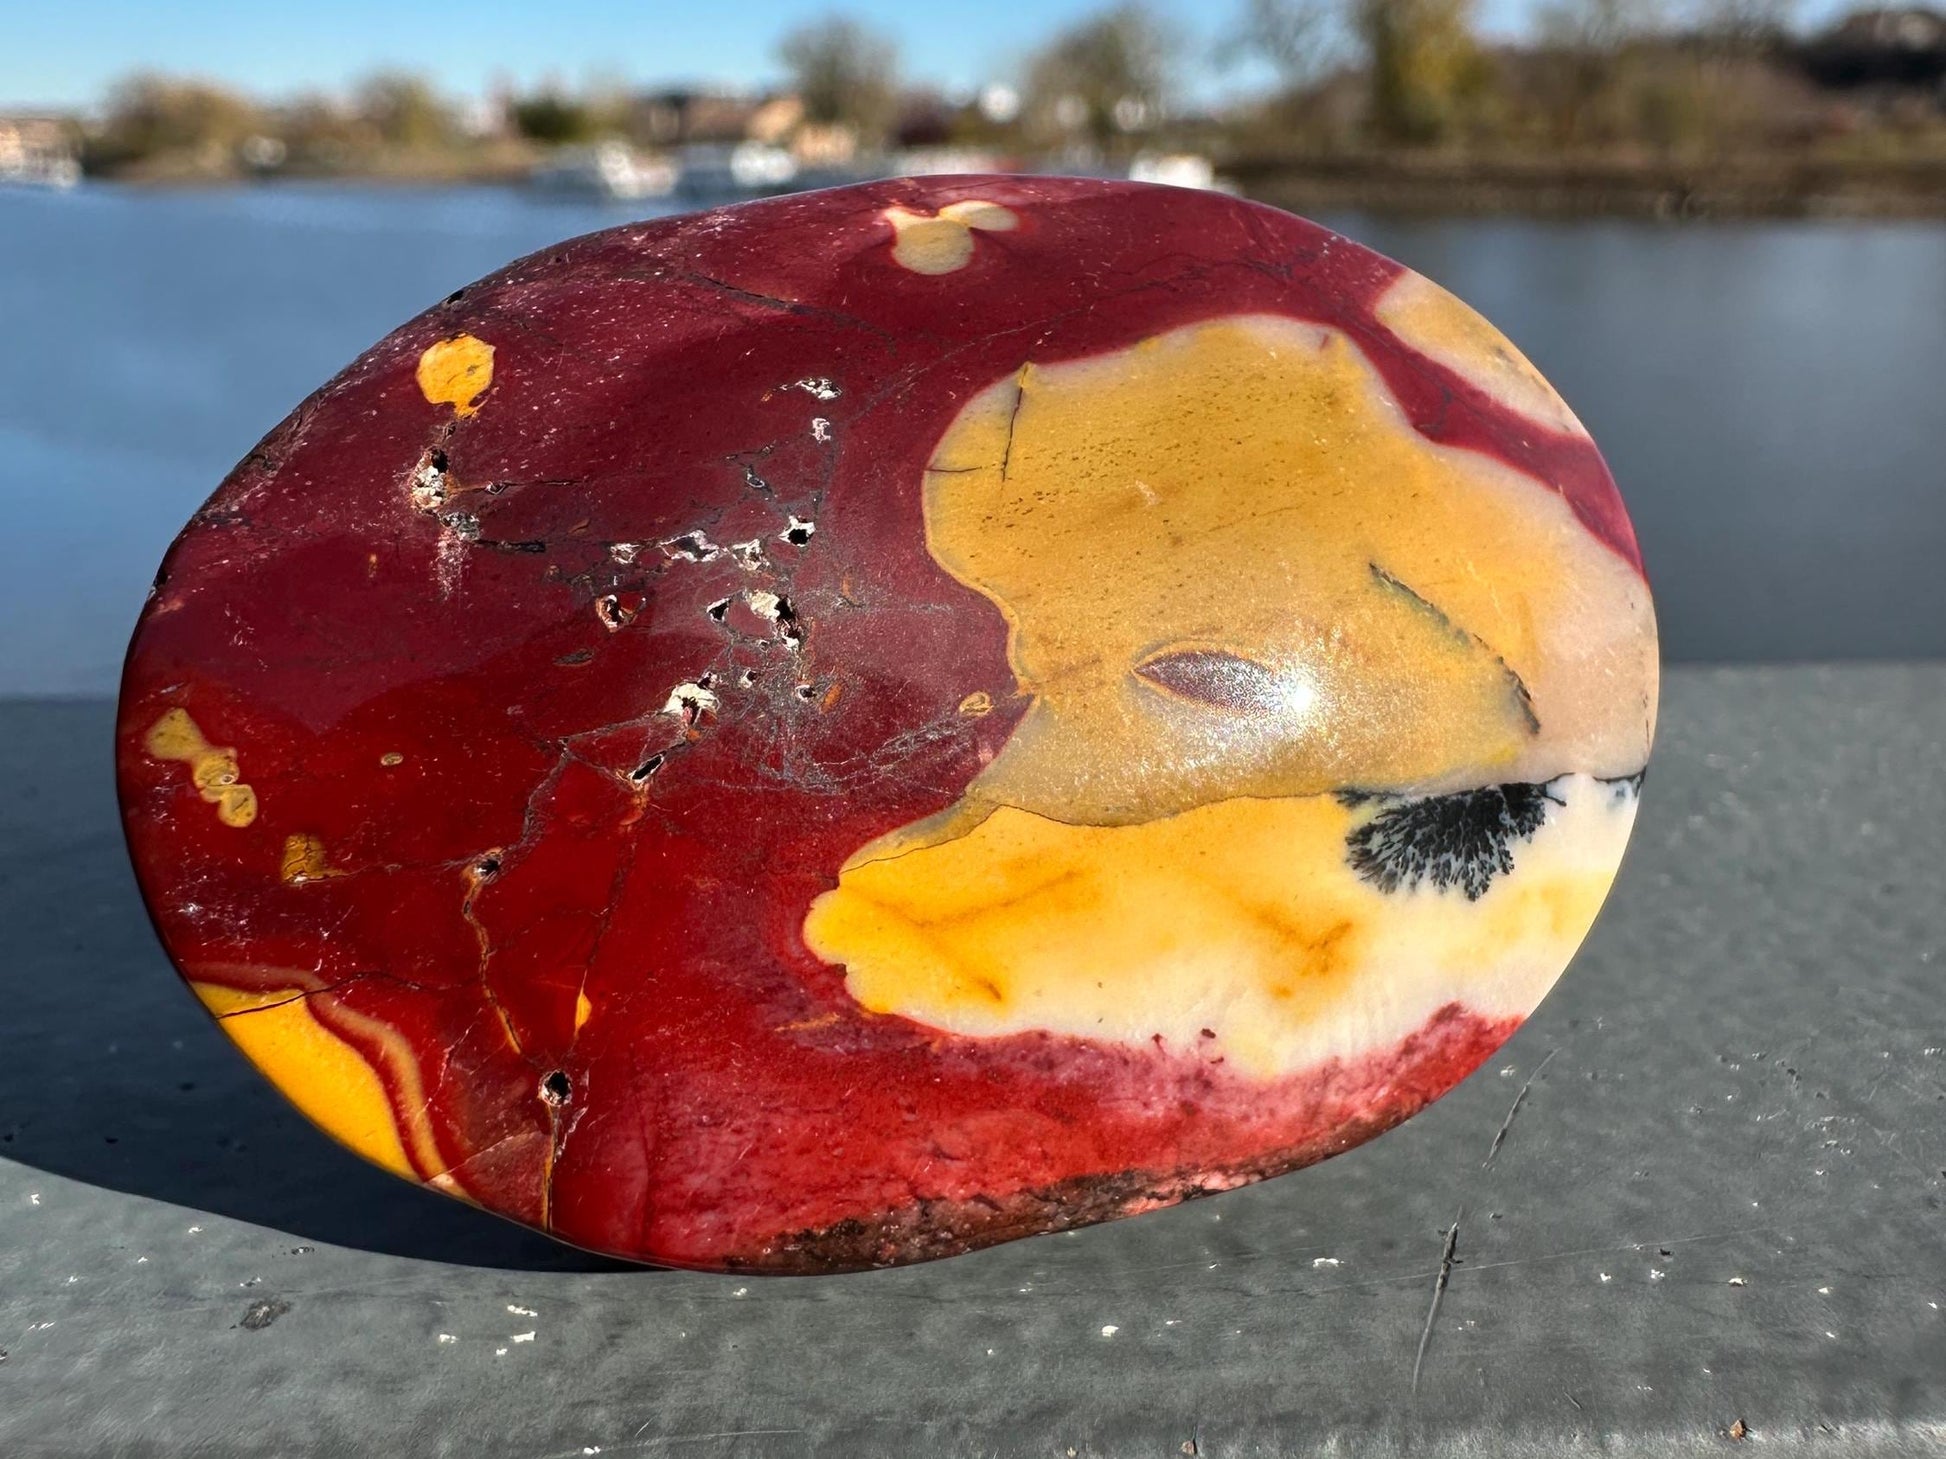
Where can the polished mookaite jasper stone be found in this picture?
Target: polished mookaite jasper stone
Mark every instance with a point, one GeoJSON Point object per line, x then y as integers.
{"type": "Point", "coordinates": [853, 727]}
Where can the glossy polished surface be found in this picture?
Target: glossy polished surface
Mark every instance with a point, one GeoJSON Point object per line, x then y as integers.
{"type": "Point", "coordinates": [848, 728]}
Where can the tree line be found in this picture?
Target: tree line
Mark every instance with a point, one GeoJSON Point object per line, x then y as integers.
{"type": "Point", "coordinates": [1347, 74]}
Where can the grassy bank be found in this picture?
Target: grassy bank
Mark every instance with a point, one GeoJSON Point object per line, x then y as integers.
{"type": "Point", "coordinates": [1732, 187]}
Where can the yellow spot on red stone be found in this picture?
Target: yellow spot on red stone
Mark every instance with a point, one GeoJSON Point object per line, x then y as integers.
{"type": "Point", "coordinates": [391, 758]}
{"type": "Point", "coordinates": [582, 1008]}
{"type": "Point", "coordinates": [456, 372]}
{"type": "Point", "coordinates": [939, 243]}
{"type": "Point", "coordinates": [977, 703]}
{"type": "Point", "coordinates": [304, 859]}
{"type": "Point", "coordinates": [212, 768]}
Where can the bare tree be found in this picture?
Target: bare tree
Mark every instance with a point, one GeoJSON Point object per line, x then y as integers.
{"type": "Point", "coordinates": [1744, 27]}
{"type": "Point", "coordinates": [150, 114]}
{"type": "Point", "coordinates": [1296, 37]}
{"type": "Point", "coordinates": [1596, 26]}
{"type": "Point", "coordinates": [405, 110]}
{"type": "Point", "coordinates": [1423, 60]}
{"type": "Point", "coordinates": [1583, 54]}
{"type": "Point", "coordinates": [1105, 79]}
{"type": "Point", "coordinates": [845, 73]}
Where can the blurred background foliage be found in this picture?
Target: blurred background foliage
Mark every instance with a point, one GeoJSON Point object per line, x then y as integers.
{"type": "Point", "coordinates": [1608, 103]}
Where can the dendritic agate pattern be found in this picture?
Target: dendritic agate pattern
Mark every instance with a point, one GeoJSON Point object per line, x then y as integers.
{"type": "Point", "coordinates": [850, 728]}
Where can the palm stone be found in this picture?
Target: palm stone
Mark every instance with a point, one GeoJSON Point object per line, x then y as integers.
{"type": "Point", "coordinates": [848, 728]}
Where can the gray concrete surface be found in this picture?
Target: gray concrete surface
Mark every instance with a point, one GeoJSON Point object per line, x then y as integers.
{"type": "Point", "coordinates": [1718, 1203]}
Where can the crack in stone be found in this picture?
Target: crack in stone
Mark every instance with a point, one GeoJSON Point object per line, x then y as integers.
{"type": "Point", "coordinates": [1523, 697]}
{"type": "Point", "coordinates": [1013, 416]}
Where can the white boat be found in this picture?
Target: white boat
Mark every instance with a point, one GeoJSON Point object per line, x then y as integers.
{"type": "Point", "coordinates": [713, 172]}
{"type": "Point", "coordinates": [605, 170]}
{"type": "Point", "coordinates": [1178, 169]}
{"type": "Point", "coordinates": [55, 172]}
{"type": "Point", "coordinates": [37, 152]}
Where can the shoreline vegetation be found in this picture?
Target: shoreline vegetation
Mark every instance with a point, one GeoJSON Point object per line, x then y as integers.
{"type": "Point", "coordinates": [1741, 187]}
{"type": "Point", "coordinates": [1665, 109]}
{"type": "Point", "coordinates": [1390, 183]}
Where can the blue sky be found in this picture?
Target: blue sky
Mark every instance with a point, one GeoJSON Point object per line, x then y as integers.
{"type": "Point", "coordinates": [66, 52]}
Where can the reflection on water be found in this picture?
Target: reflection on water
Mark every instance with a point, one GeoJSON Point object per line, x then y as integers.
{"type": "Point", "coordinates": [1769, 394]}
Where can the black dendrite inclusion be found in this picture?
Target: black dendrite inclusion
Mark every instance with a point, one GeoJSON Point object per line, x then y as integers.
{"type": "Point", "coordinates": [1457, 842]}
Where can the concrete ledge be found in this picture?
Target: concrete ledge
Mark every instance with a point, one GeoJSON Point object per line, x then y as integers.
{"type": "Point", "coordinates": [1719, 1202]}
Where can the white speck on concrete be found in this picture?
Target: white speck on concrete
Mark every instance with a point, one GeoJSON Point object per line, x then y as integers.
{"type": "Point", "coordinates": [1324, 1261]}
{"type": "Point", "coordinates": [523, 1337]}
{"type": "Point", "coordinates": [446, 1337]}
{"type": "Point", "coordinates": [520, 1311]}
{"type": "Point", "coordinates": [1110, 1330]}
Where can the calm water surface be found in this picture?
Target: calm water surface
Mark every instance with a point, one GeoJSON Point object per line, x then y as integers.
{"type": "Point", "coordinates": [1771, 396]}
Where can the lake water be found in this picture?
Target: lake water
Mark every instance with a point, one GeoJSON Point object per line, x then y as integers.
{"type": "Point", "coordinates": [1772, 396]}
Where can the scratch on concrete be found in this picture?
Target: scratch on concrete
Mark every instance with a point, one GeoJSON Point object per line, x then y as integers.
{"type": "Point", "coordinates": [1500, 1135]}
{"type": "Point", "coordinates": [1438, 1294]}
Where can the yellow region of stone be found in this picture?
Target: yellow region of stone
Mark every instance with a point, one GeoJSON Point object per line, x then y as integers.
{"type": "Point", "coordinates": [1246, 493]}
{"type": "Point", "coordinates": [327, 1079]}
{"type": "Point", "coordinates": [1442, 328]}
{"type": "Point", "coordinates": [582, 1008]}
{"type": "Point", "coordinates": [212, 768]}
{"type": "Point", "coordinates": [940, 243]}
{"type": "Point", "coordinates": [1242, 918]}
{"type": "Point", "coordinates": [1237, 581]}
{"type": "Point", "coordinates": [456, 372]}
{"type": "Point", "coordinates": [304, 860]}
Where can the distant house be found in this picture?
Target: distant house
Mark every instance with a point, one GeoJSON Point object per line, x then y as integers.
{"type": "Point", "coordinates": [38, 149]}
{"type": "Point", "coordinates": [684, 117]}
{"type": "Point", "coordinates": [1900, 46]}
